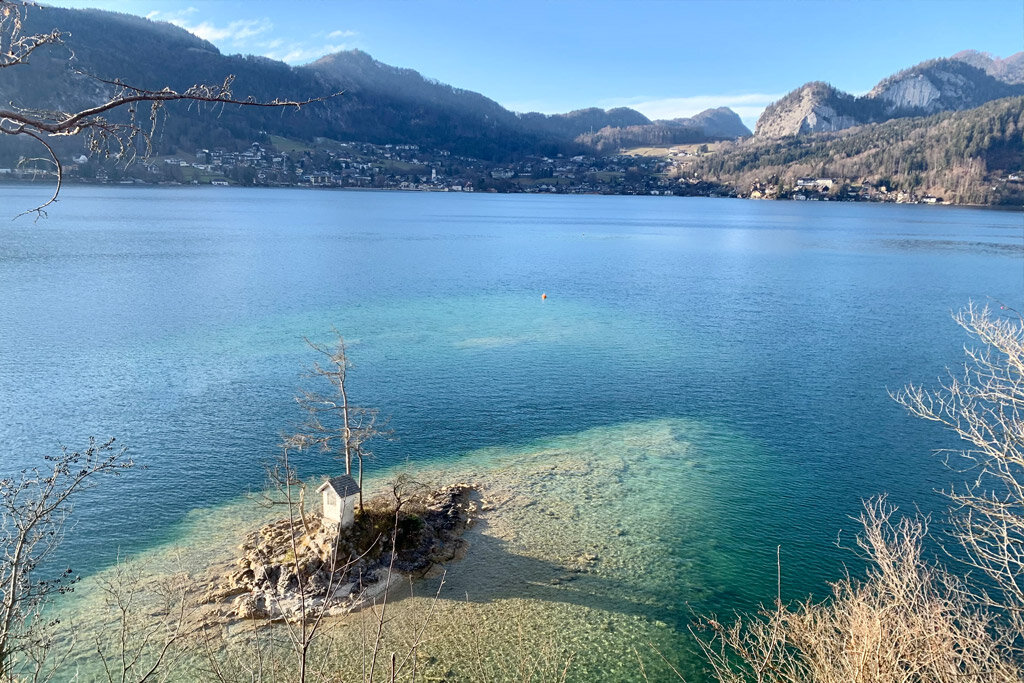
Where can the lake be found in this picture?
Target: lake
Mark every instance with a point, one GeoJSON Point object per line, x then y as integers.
{"type": "Point", "coordinates": [738, 353]}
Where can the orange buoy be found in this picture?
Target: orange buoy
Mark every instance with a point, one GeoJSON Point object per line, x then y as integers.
{"type": "Point", "coordinates": [543, 296]}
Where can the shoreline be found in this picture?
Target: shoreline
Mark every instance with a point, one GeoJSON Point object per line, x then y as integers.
{"type": "Point", "coordinates": [66, 183]}
{"type": "Point", "coordinates": [553, 553]}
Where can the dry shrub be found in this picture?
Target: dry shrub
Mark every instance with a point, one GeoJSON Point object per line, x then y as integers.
{"type": "Point", "coordinates": [907, 620]}
{"type": "Point", "coordinates": [983, 404]}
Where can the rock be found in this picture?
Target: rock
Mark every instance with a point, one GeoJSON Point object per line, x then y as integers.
{"type": "Point", "coordinates": [812, 108]}
{"type": "Point", "coordinates": [246, 607]}
{"type": "Point", "coordinates": [344, 591]}
{"type": "Point", "coordinates": [369, 594]}
{"type": "Point", "coordinates": [270, 574]}
{"type": "Point", "coordinates": [226, 593]}
{"type": "Point", "coordinates": [263, 582]}
{"type": "Point", "coordinates": [241, 578]}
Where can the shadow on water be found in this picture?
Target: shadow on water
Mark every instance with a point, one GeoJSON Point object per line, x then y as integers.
{"type": "Point", "coordinates": [491, 571]}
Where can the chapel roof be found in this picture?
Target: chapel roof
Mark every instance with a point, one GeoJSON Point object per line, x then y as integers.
{"type": "Point", "coordinates": [343, 485]}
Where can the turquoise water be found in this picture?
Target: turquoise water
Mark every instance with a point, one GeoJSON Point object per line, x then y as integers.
{"type": "Point", "coordinates": [762, 335]}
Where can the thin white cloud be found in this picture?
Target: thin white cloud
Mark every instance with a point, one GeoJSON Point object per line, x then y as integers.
{"type": "Point", "coordinates": [253, 36]}
{"type": "Point", "coordinates": [157, 15]}
{"type": "Point", "coordinates": [748, 106]}
{"type": "Point", "coordinates": [234, 33]}
{"type": "Point", "coordinates": [301, 54]}
{"type": "Point", "coordinates": [240, 30]}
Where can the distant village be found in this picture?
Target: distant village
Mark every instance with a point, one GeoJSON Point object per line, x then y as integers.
{"type": "Point", "coordinates": [365, 165]}
{"type": "Point", "coordinates": [331, 164]}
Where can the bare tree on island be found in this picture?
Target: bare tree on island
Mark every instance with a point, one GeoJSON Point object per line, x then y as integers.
{"type": "Point", "coordinates": [104, 136]}
{"type": "Point", "coordinates": [303, 570]}
{"type": "Point", "coordinates": [333, 424]}
{"type": "Point", "coordinates": [302, 628]}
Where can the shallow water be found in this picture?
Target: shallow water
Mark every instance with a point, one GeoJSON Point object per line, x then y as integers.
{"type": "Point", "coordinates": [591, 545]}
{"type": "Point", "coordinates": [707, 377]}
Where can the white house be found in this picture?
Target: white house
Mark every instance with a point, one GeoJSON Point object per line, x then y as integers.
{"type": "Point", "coordinates": [819, 183]}
{"type": "Point", "coordinates": [340, 494]}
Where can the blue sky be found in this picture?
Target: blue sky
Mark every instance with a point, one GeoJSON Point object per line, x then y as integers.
{"type": "Point", "coordinates": [665, 58]}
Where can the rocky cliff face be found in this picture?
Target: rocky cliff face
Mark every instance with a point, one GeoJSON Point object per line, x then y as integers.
{"type": "Point", "coordinates": [916, 92]}
{"type": "Point", "coordinates": [928, 88]}
{"type": "Point", "coordinates": [813, 108]}
{"type": "Point", "coordinates": [938, 85]}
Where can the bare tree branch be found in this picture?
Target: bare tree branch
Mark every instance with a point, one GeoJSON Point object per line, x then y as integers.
{"type": "Point", "coordinates": [15, 48]}
{"type": "Point", "coordinates": [104, 134]}
{"type": "Point", "coordinates": [910, 619]}
{"type": "Point", "coordinates": [34, 506]}
{"type": "Point", "coordinates": [333, 424]}
{"type": "Point", "coordinates": [39, 210]}
{"type": "Point", "coordinates": [983, 404]}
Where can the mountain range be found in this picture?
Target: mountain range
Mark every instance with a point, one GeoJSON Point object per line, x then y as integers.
{"type": "Point", "coordinates": [967, 80]}
{"type": "Point", "coordinates": [384, 104]}
{"type": "Point", "coordinates": [380, 103]}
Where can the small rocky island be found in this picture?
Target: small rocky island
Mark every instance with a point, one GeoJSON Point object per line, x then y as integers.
{"type": "Point", "coordinates": [309, 564]}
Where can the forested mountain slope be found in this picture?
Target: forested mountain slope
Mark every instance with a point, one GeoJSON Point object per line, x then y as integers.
{"type": "Point", "coordinates": [963, 157]}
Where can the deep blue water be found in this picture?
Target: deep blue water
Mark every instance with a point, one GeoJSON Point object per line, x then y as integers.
{"type": "Point", "coordinates": [173, 319]}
